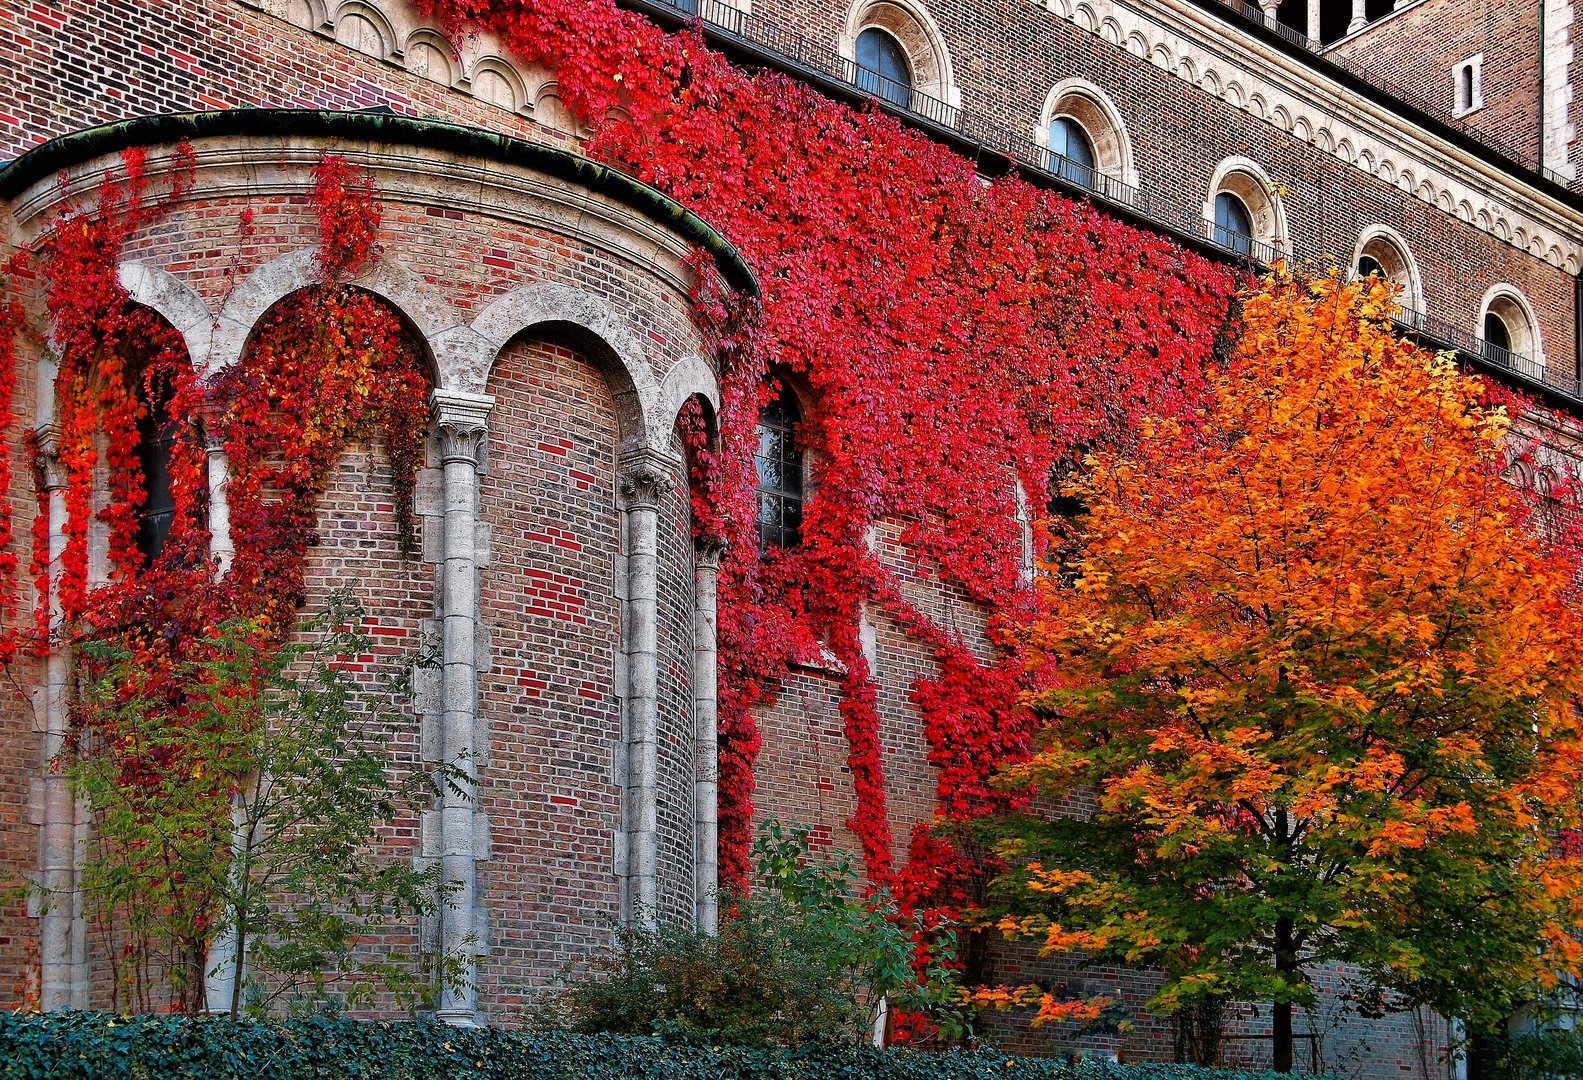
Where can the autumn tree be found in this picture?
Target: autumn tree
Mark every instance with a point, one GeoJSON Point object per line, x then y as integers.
{"type": "Point", "coordinates": [1314, 688]}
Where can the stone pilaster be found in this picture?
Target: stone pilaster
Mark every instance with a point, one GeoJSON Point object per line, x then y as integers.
{"type": "Point", "coordinates": [645, 480]}
{"type": "Point", "coordinates": [706, 751]}
{"type": "Point", "coordinates": [63, 980]}
{"type": "Point", "coordinates": [461, 421]}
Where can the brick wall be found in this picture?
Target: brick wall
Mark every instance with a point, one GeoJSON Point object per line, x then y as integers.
{"type": "Point", "coordinates": [1416, 48]}
{"type": "Point", "coordinates": [548, 696]}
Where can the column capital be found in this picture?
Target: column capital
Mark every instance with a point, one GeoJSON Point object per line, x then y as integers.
{"type": "Point", "coordinates": [710, 550]}
{"type": "Point", "coordinates": [645, 478]}
{"type": "Point", "coordinates": [462, 420]}
{"type": "Point", "coordinates": [46, 438]}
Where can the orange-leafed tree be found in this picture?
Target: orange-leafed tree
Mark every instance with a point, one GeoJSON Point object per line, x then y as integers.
{"type": "Point", "coordinates": [1315, 684]}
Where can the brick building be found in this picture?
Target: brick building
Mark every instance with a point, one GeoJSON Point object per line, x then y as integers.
{"type": "Point", "coordinates": [1432, 141]}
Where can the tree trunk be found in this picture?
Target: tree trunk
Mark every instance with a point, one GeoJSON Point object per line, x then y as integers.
{"type": "Point", "coordinates": [1281, 1025]}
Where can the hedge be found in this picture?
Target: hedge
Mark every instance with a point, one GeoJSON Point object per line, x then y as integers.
{"type": "Point", "coordinates": [90, 1046]}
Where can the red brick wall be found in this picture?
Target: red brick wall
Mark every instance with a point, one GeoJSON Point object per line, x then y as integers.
{"type": "Point", "coordinates": [1416, 48]}
{"type": "Point", "coordinates": [547, 697]}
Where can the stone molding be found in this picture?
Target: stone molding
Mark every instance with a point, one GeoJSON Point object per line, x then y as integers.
{"type": "Point", "coordinates": [1209, 53]}
{"type": "Point", "coordinates": [1216, 56]}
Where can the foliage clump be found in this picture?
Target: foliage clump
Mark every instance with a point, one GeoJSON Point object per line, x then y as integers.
{"type": "Point", "coordinates": [803, 957]}
{"type": "Point", "coordinates": [1318, 675]}
{"type": "Point", "coordinates": [237, 826]}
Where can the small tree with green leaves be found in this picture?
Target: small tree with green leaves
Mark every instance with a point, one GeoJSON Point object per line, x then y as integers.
{"type": "Point", "coordinates": [235, 823]}
{"type": "Point", "coordinates": [805, 956]}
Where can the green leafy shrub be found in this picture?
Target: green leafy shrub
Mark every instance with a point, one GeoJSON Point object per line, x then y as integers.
{"type": "Point", "coordinates": [801, 958]}
{"type": "Point", "coordinates": [98, 1046]}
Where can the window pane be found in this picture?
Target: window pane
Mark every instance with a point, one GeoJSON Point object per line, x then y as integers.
{"type": "Point", "coordinates": [882, 67]}
{"type": "Point", "coordinates": [780, 466]}
{"type": "Point", "coordinates": [156, 433]}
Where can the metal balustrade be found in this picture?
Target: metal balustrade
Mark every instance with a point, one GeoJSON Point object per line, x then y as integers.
{"type": "Point", "coordinates": [788, 50]}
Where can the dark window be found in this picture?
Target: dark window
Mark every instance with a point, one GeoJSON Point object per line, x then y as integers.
{"type": "Point", "coordinates": [1368, 264]}
{"type": "Point", "coordinates": [1495, 332]}
{"type": "Point", "coordinates": [882, 67]}
{"type": "Point", "coordinates": [1071, 154]}
{"type": "Point", "coordinates": [156, 433]}
{"type": "Point", "coordinates": [1233, 225]}
{"type": "Point", "coordinates": [779, 463]}
{"type": "Point", "coordinates": [1334, 18]}
{"type": "Point", "coordinates": [1465, 87]}
{"type": "Point", "coordinates": [1293, 14]}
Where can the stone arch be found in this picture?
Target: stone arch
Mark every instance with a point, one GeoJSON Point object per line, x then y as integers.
{"type": "Point", "coordinates": [1161, 56]}
{"type": "Point", "coordinates": [1137, 44]}
{"type": "Point", "coordinates": [1084, 17]}
{"type": "Point", "coordinates": [1211, 82]}
{"type": "Point", "coordinates": [428, 56]}
{"type": "Point", "coordinates": [1110, 31]}
{"type": "Point", "coordinates": [1303, 129]}
{"type": "Point", "coordinates": [1281, 117]}
{"type": "Point", "coordinates": [690, 377]}
{"type": "Point", "coordinates": [1365, 160]}
{"type": "Point", "coordinates": [1258, 106]}
{"type": "Point", "coordinates": [1509, 305]}
{"type": "Point", "coordinates": [175, 301]}
{"type": "Point", "coordinates": [1247, 180]}
{"type": "Point", "coordinates": [1344, 150]}
{"type": "Point", "coordinates": [910, 23]}
{"type": "Point", "coordinates": [497, 82]}
{"type": "Point", "coordinates": [1465, 210]}
{"type": "Point", "coordinates": [1186, 70]}
{"type": "Point", "coordinates": [1386, 170]}
{"type": "Point", "coordinates": [612, 345]}
{"type": "Point", "coordinates": [1387, 247]}
{"type": "Point", "coordinates": [417, 302]}
{"type": "Point", "coordinates": [364, 27]}
{"type": "Point", "coordinates": [1236, 97]}
{"type": "Point", "coordinates": [1100, 120]}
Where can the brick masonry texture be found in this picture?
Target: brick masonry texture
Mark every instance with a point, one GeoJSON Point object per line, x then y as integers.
{"type": "Point", "coordinates": [552, 548]}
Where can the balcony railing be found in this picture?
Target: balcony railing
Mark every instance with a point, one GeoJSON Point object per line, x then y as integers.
{"type": "Point", "coordinates": [1439, 333]}
{"type": "Point", "coordinates": [785, 49]}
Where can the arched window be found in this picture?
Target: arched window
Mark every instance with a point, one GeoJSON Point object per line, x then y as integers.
{"type": "Point", "coordinates": [882, 68]}
{"type": "Point", "coordinates": [1381, 250]}
{"type": "Point", "coordinates": [1071, 154]}
{"type": "Point", "coordinates": [156, 434]}
{"type": "Point", "coordinates": [1233, 224]}
{"type": "Point", "coordinates": [779, 462]}
{"type": "Point", "coordinates": [1510, 332]}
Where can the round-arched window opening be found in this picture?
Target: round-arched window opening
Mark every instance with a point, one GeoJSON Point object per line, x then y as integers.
{"type": "Point", "coordinates": [1509, 331]}
{"type": "Point", "coordinates": [882, 67]}
{"type": "Point", "coordinates": [1381, 251]}
{"type": "Point", "coordinates": [778, 461]}
{"type": "Point", "coordinates": [1233, 224]}
{"type": "Point", "coordinates": [1243, 212]}
{"type": "Point", "coordinates": [1071, 153]}
{"type": "Point", "coordinates": [1086, 138]}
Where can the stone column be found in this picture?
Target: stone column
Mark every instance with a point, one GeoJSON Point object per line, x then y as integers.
{"type": "Point", "coordinates": [1272, 10]}
{"type": "Point", "coordinates": [220, 970]}
{"type": "Point", "coordinates": [1313, 23]}
{"type": "Point", "coordinates": [645, 480]}
{"type": "Point", "coordinates": [706, 751]}
{"type": "Point", "coordinates": [1360, 17]}
{"type": "Point", "coordinates": [461, 420]}
{"type": "Point", "coordinates": [62, 981]}
{"type": "Point", "coordinates": [221, 548]}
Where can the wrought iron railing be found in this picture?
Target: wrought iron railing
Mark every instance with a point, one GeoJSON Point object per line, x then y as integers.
{"type": "Point", "coordinates": [789, 50]}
